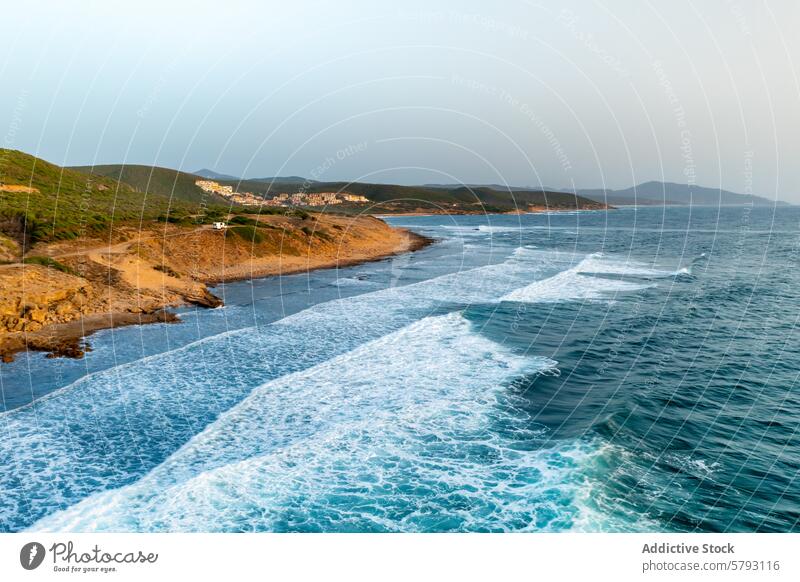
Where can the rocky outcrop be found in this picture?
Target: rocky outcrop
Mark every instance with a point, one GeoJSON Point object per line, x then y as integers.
{"type": "Point", "coordinates": [204, 299]}
{"type": "Point", "coordinates": [44, 309]}
{"type": "Point", "coordinates": [89, 284]}
{"type": "Point", "coordinates": [33, 296]}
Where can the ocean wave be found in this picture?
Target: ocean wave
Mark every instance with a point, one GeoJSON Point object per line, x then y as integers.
{"type": "Point", "coordinates": [599, 264]}
{"type": "Point", "coordinates": [378, 412]}
{"type": "Point", "coordinates": [581, 283]}
{"type": "Point", "coordinates": [353, 282]}
{"type": "Point", "coordinates": [113, 426]}
{"type": "Point", "coordinates": [331, 449]}
{"type": "Point", "coordinates": [482, 229]}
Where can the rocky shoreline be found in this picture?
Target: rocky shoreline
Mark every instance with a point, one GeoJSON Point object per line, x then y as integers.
{"type": "Point", "coordinates": [135, 279]}
{"type": "Point", "coordinates": [69, 339]}
{"type": "Point", "coordinates": [292, 266]}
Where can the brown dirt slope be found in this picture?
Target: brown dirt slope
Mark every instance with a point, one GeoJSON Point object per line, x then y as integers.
{"type": "Point", "coordinates": [92, 284]}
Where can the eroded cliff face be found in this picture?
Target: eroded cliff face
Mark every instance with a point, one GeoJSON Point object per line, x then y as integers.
{"type": "Point", "coordinates": [33, 296]}
{"type": "Point", "coordinates": [133, 277]}
{"type": "Point", "coordinates": [45, 309]}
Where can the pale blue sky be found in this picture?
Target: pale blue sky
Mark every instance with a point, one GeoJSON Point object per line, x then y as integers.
{"type": "Point", "coordinates": [550, 94]}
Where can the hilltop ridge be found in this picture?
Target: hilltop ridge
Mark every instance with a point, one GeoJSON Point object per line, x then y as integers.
{"type": "Point", "coordinates": [172, 184]}
{"type": "Point", "coordinates": [43, 201]}
{"type": "Point", "coordinates": [395, 198]}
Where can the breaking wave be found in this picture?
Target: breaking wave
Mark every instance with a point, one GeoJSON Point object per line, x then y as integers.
{"type": "Point", "coordinates": [584, 282]}
{"type": "Point", "coordinates": [331, 449]}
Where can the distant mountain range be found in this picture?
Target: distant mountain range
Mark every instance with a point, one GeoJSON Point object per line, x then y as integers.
{"type": "Point", "coordinates": [651, 194]}
{"type": "Point", "coordinates": [283, 180]}
{"type": "Point", "coordinates": [657, 193]}
{"type": "Point", "coordinates": [389, 198]}
{"type": "Point", "coordinates": [385, 198]}
{"type": "Point", "coordinates": [62, 203]}
{"type": "Point", "coordinates": [396, 198]}
{"type": "Point", "coordinates": [212, 175]}
{"type": "Point", "coordinates": [433, 197]}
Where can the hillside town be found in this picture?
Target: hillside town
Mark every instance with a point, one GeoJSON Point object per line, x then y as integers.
{"type": "Point", "coordinates": [283, 199]}
{"type": "Point", "coordinates": [243, 198]}
{"type": "Point", "coordinates": [314, 199]}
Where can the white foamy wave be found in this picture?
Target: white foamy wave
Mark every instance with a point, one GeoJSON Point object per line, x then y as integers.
{"type": "Point", "coordinates": [482, 230]}
{"type": "Point", "coordinates": [598, 263]}
{"type": "Point", "coordinates": [525, 252]}
{"type": "Point", "coordinates": [564, 259]}
{"type": "Point", "coordinates": [596, 512]}
{"type": "Point", "coordinates": [407, 417]}
{"type": "Point", "coordinates": [490, 228]}
{"type": "Point", "coordinates": [352, 282]}
{"type": "Point", "coordinates": [113, 426]}
{"type": "Point", "coordinates": [567, 212]}
{"type": "Point", "coordinates": [453, 228]}
{"type": "Point", "coordinates": [580, 283]}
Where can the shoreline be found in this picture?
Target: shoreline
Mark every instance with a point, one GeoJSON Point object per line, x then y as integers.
{"type": "Point", "coordinates": [413, 243]}
{"type": "Point", "coordinates": [530, 210]}
{"type": "Point", "coordinates": [69, 339]}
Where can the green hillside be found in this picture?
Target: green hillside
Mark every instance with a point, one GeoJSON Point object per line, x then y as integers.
{"type": "Point", "coordinates": [395, 198]}
{"type": "Point", "coordinates": [164, 181]}
{"type": "Point", "coordinates": [64, 203]}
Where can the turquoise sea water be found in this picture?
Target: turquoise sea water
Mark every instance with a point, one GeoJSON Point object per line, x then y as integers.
{"type": "Point", "coordinates": [634, 370]}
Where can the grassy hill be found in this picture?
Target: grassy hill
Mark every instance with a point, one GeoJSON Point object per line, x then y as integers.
{"type": "Point", "coordinates": [40, 201]}
{"type": "Point", "coordinates": [163, 181]}
{"type": "Point", "coordinates": [394, 198]}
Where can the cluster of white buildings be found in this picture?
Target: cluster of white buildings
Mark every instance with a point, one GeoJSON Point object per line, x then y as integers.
{"type": "Point", "coordinates": [214, 188]}
{"type": "Point", "coordinates": [243, 198]}
{"type": "Point", "coordinates": [315, 199]}
{"type": "Point", "coordinates": [296, 199]}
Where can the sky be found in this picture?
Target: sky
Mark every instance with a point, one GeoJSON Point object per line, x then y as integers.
{"type": "Point", "coordinates": [545, 94]}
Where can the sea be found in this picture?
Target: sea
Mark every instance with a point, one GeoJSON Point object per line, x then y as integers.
{"type": "Point", "coordinates": [628, 370]}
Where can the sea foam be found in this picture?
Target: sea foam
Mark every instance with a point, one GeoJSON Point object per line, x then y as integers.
{"type": "Point", "coordinates": [111, 427]}
{"type": "Point", "coordinates": [396, 435]}
{"type": "Point", "coordinates": [584, 282]}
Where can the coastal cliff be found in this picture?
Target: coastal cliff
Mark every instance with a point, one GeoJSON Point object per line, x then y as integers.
{"type": "Point", "coordinates": [64, 290]}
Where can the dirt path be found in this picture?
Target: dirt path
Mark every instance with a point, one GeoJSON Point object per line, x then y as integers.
{"type": "Point", "coordinates": [97, 251]}
{"type": "Point", "coordinates": [135, 280]}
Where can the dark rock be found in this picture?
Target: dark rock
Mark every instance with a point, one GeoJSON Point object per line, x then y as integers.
{"type": "Point", "coordinates": [207, 299]}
